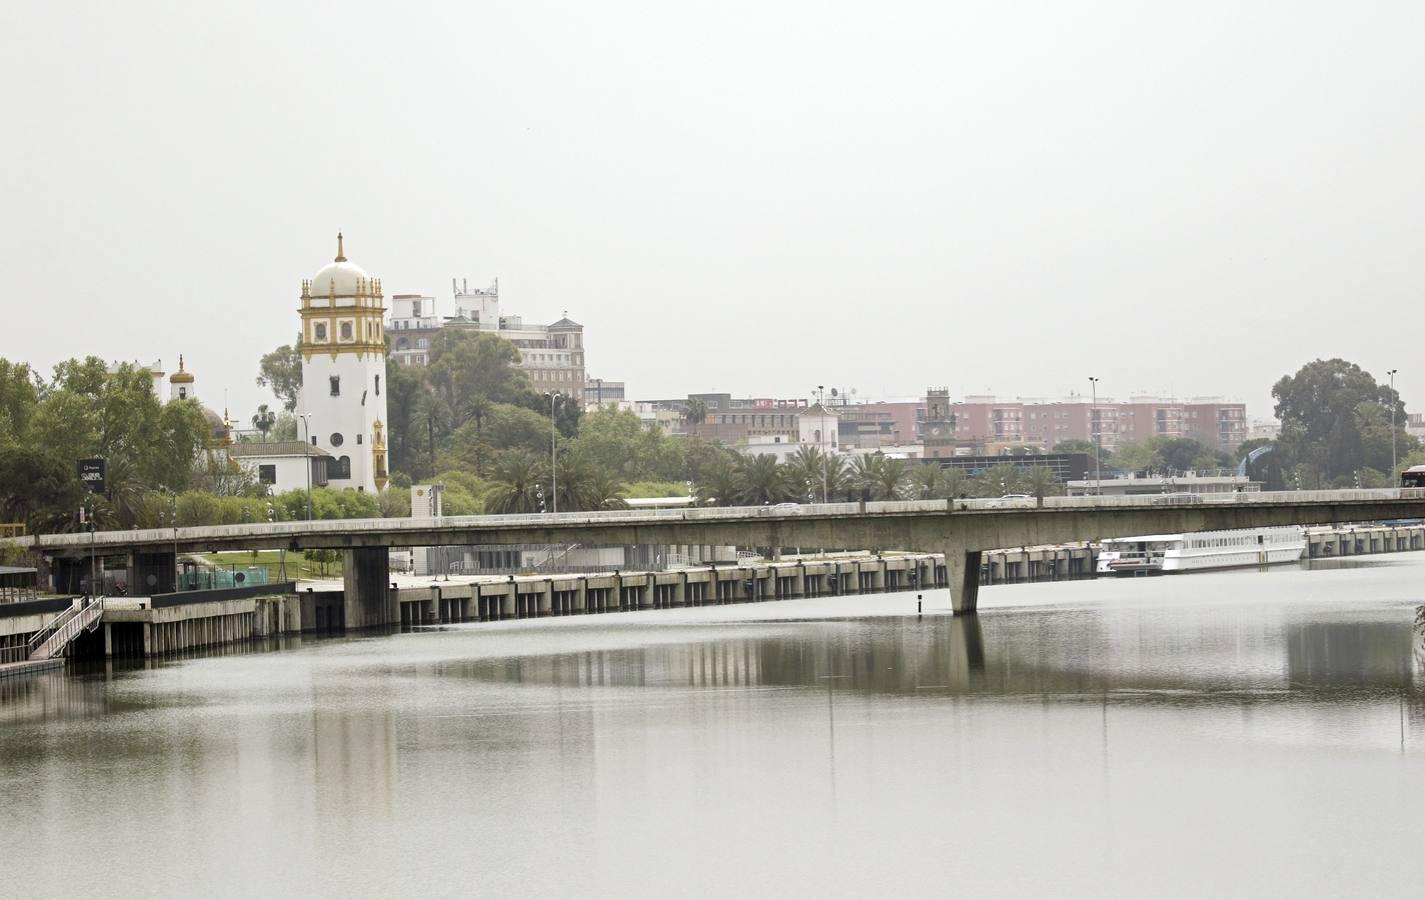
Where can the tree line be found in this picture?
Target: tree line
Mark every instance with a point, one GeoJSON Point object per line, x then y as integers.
{"type": "Point", "coordinates": [472, 422]}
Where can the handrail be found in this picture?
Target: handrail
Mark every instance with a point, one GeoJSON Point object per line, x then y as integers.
{"type": "Point", "coordinates": [338, 528]}
{"type": "Point", "coordinates": [82, 618]}
{"type": "Point", "coordinates": [52, 626]}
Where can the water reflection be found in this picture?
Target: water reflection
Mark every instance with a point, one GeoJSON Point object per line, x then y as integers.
{"type": "Point", "coordinates": [1132, 728]}
{"type": "Point", "coordinates": [1051, 654]}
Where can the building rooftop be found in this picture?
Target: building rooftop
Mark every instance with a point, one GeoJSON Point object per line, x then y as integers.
{"type": "Point", "coordinates": [275, 448]}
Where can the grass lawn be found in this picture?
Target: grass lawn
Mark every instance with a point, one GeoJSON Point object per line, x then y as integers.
{"type": "Point", "coordinates": [297, 567]}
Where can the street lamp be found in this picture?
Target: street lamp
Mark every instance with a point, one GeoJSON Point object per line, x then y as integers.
{"type": "Point", "coordinates": [825, 457]}
{"type": "Point", "coordinates": [307, 454]}
{"type": "Point", "coordinates": [554, 397]}
{"type": "Point", "coordinates": [1393, 474]}
{"type": "Point", "coordinates": [1097, 427]}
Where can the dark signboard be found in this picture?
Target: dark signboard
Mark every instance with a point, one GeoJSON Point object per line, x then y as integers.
{"type": "Point", "coordinates": [92, 472]}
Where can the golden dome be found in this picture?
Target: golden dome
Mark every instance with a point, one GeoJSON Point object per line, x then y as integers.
{"type": "Point", "coordinates": [182, 376]}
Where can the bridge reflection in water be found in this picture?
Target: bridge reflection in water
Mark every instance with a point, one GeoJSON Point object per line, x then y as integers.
{"type": "Point", "coordinates": [524, 755]}
{"type": "Point", "coordinates": [1057, 655]}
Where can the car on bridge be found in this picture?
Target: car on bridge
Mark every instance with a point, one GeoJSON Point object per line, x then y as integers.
{"type": "Point", "coordinates": [1179, 498]}
{"type": "Point", "coordinates": [1012, 501]}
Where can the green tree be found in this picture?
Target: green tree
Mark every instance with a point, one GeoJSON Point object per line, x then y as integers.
{"type": "Point", "coordinates": [281, 370]}
{"type": "Point", "coordinates": [1328, 411]}
{"type": "Point", "coordinates": [880, 477]}
{"type": "Point", "coordinates": [760, 480]}
{"type": "Point", "coordinates": [517, 476]}
{"type": "Point", "coordinates": [263, 420]}
{"type": "Point", "coordinates": [697, 412]}
{"type": "Point", "coordinates": [717, 484]}
{"type": "Point", "coordinates": [19, 399]}
{"type": "Point", "coordinates": [616, 441]}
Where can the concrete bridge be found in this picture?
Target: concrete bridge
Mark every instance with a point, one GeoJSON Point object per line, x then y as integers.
{"type": "Point", "coordinates": [962, 530]}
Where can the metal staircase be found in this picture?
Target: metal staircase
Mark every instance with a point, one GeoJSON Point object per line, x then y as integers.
{"type": "Point", "coordinates": [52, 640]}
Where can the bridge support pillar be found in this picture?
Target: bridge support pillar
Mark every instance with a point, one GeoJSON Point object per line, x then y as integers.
{"type": "Point", "coordinates": [962, 568]}
{"type": "Point", "coordinates": [366, 595]}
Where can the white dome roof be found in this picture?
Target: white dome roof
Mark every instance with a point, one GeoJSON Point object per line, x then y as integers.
{"type": "Point", "coordinates": [339, 277]}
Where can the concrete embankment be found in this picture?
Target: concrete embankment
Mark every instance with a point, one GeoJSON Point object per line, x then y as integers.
{"type": "Point", "coordinates": [175, 623]}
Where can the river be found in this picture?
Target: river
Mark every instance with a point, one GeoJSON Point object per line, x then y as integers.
{"type": "Point", "coordinates": [1229, 734]}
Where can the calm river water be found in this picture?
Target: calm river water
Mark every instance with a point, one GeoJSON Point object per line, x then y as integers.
{"type": "Point", "coordinates": [1243, 733]}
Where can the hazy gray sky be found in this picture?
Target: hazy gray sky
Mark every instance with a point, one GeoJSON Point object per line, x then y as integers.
{"type": "Point", "coordinates": [753, 197]}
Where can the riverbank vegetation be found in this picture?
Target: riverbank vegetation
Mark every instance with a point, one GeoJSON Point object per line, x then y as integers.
{"type": "Point", "coordinates": [472, 422]}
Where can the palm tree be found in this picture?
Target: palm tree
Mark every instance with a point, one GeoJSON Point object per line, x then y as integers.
{"type": "Point", "coordinates": [760, 480]}
{"type": "Point", "coordinates": [603, 491]}
{"type": "Point", "coordinates": [516, 476]}
{"type": "Point", "coordinates": [697, 412]}
{"type": "Point", "coordinates": [264, 420]}
{"type": "Point", "coordinates": [865, 472]}
{"type": "Point", "coordinates": [805, 471]}
{"type": "Point", "coordinates": [1042, 483]}
{"type": "Point", "coordinates": [575, 477]}
{"type": "Point", "coordinates": [928, 482]}
{"type": "Point", "coordinates": [718, 485]}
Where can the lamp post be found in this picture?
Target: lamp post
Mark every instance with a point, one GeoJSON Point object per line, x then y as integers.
{"type": "Point", "coordinates": [1097, 428]}
{"type": "Point", "coordinates": [307, 456]}
{"type": "Point", "coordinates": [553, 460]}
{"type": "Point", "coordinates": [175, 541]}
{"type": "Point", "coordinates": [1393, 474]}
{"type": "Point", "coordinates": [825, 457]}
{"type": "Point", "coordinates": [93, 567]}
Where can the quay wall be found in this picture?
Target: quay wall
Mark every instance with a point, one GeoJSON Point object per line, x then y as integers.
{"type": "Point", "coordinates": [181, 622]}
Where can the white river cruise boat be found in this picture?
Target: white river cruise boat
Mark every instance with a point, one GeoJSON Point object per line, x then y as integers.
{"type": "Point", "coordinates": [1156, 553]}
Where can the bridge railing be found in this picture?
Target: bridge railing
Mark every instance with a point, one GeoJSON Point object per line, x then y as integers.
{"type": "Point", "coordinates": [355, 527]}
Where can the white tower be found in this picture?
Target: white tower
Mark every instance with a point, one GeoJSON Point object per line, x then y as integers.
{"type": "Point", "coordinates": [344, 372]}
{"type": "Point", "coordinates": [181, 383]}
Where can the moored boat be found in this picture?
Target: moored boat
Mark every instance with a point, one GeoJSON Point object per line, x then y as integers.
{"type": "Point", "coordinates": [1161, 553]}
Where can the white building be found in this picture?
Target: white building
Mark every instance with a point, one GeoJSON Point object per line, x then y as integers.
{"type": "Point", "coordinates": [817, 427]}
{"type": "Point", "coordinates": [343, 396]}
{"type": "Point", "coordinates": [281, 465]}
{"type": "Point", "coordinates": [551, 355]}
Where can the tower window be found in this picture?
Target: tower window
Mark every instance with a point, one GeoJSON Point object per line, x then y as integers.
{"type": "Point", "coordinates": [346, 331]}
{"type": "Point", "coordinates": [378, 385]}
{"type": "Point", "coordinates": [319, 331]}
{"type": "Point", "coordinates": [336, 439]}
{"type": "Point", "coordinates": [336, 385]}
{"type": "Point", "coordinates": [183, 393]}
{"type": "Point", "coordinates": [359, 437]}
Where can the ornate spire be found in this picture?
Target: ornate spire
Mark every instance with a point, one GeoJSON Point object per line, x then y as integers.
{"type": "Point", "coordinates": [180, 362]}
{"type": "Point", "coordinates": [340, 252]}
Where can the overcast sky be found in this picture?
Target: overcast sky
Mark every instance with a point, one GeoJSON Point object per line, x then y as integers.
{"type": "Point", "coordinates": [754, 197]}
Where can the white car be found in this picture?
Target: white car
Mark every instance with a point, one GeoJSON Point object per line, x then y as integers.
{"type": "Point", "coordinates": [1012, 501]}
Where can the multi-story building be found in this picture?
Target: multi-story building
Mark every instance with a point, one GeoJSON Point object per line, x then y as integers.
{"type": "Point", "coordinates": [602, 392]}
{"type": "Point", "coordinates": [987, 424]}
{"type": "Point", "coordinates": [551, 355]}
{"type": "Point", "coordinates": [872, 426]}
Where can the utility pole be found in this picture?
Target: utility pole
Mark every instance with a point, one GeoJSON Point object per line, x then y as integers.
{"type": "Point", "coordinates": [1394, 475]}
{"type": "Point", "coordinates": [93, 591]}
{"type": "Point", "coordinates": [307, 458]}
{"type": "Point", "coordinates": [825, 457]}
{"type": "Point", "coordinates": [1097, 426]}
{"type": "Point", "coordinates": [553, 458]}
{"type": "Point", "coordinates": [175, 542]}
